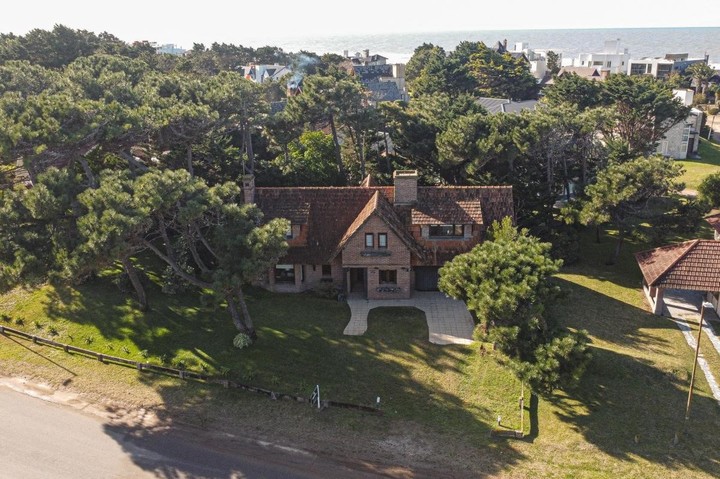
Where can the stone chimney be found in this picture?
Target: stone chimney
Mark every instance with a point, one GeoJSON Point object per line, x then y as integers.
{"type": "Point", "coordinates": [366, 53]}
{"type": "Point", "coordinates": [405, 186]}
{"type": "Point", "coordinates": [248, 188]}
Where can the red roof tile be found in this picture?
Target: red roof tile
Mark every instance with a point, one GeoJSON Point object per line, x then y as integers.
{"type": "Point", "coordinates": [693, 265]}
{"type": "Point", "coordinates": [329, 213]}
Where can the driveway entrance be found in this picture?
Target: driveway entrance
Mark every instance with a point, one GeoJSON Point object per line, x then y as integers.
{"type": "Point", "coordinates": [449, 321]}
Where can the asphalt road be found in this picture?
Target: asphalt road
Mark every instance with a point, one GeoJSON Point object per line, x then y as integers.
{"type": "Point", "coordinates": [43, 440]}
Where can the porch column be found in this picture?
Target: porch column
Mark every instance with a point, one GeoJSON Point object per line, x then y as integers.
{"type": "Point", "coordinates": [658, 304]}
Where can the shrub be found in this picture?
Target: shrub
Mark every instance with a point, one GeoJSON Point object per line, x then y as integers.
{"type": "Point", "coordinates": [242, 340]}
{"type": "Point", "coordinates": [709, 189]}
{"type": "Point", "coordinates": [325, 289]}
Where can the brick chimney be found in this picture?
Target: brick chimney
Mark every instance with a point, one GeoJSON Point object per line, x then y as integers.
{"type": "Point", "coordinates": [248, 188]}
{"type": "Point", "coordinates": [405, 186]}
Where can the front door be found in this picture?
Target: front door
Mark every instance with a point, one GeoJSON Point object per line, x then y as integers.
{"type": "Point", "coordinates": [357, 280]}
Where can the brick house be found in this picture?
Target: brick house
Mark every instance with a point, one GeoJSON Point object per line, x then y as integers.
{"type": "Point", "coordinates": [381, 241]}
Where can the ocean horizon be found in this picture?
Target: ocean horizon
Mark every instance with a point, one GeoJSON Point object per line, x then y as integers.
{"type": "Point", "coordinates": [399, 47]}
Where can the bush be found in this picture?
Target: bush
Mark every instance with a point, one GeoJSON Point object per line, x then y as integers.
{"type": "Point", "coordinates": [709, 189]}
{"type": "Point", "coordinates": [242, 340]}
{"type": "Point", "coordinates": [713, 110]}
{"type": "Point", "coordinates": [325, 290]}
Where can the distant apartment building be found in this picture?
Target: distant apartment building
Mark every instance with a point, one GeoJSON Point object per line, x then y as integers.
{"type": "Point", "coordinates": [169, 48]}
{"type": "Point", "coordinates": [661, 67]}
{"type": "Point", "coordinates": [612, 59]}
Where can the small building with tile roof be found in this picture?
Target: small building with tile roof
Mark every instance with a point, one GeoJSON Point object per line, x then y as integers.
{"type": "Point", "coordinates": [382, 241]}
{"type": "Point", "coordinates": [693, 265]}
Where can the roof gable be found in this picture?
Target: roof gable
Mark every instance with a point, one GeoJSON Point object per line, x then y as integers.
{"type": "Point", "coordinates": [380, 207]}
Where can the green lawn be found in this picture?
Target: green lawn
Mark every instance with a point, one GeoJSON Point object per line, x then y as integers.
{"type": "Point", "coordinates": [696, 170]}
{"type": "Point", "coordinates": [440, 402]}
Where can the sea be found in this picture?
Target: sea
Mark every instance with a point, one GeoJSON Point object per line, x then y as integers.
{"type": "Point", "coordinates": [640, 42]}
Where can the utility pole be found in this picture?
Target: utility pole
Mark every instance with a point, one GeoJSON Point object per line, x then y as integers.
{"type": "Point", "coordinates": [705, 306]}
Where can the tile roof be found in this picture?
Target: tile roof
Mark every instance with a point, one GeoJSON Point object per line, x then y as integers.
{"type": "Point", "coordinates": [504, 105]}
{"type": "Point", "coordinates": [693, 265]}
{"type": "Point", "coordinates": [380, 206]}
{"type": "Point", "coordinates": [331, 213]}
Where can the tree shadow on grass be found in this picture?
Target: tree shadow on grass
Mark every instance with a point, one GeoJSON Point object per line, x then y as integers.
{"type": "Point", "coordinates": [631, 401]}
{"type": "Point", "coordinates": [425, 427]}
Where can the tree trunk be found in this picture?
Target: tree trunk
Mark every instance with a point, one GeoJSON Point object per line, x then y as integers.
{"type": "Point", "coordinates": [338, 156]}
{"type": "Point", "coordinates": [92, 181]}
{"type": "Point", "coordinates": [249, 149]}
{"type": "Point", "coordinates": [135, 281]}
{"type": "Point", "coordinates": [194, 252]}
{"type": "Point", "coordinates": [246, 313]}
{"type": "Point", "coordinates": [597, 233]}
{"type": "Point", "coordinates": [235, 314]}
{"type": "Point", "coordinates": [618, 247]}
{"type": "Point", "coordinates": [189, 157]}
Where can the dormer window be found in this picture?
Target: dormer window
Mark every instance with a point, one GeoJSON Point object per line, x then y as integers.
{"type": "Point", "coordinates": [369, 240]}
{"type": "Point", "coordinates": [446, 231]}
{"type": "Point", "coordinates": [382, 240]}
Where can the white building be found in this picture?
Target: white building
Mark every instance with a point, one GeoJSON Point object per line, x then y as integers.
{"type": "Point", "coordinates": [537, 58]}
{"type": "Point", "coordinates": [169, 48]}
{"type": "Point", "coordinates": [683, 139]}
{"type": "Point", "coordinates": [265, 73]}
{"type": "Point", "coordinates": [612, 59]}
{"type": "Point", "coordinates": [661, 67]}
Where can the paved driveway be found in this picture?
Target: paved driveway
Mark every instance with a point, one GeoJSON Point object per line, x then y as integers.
{"type": "Point", "coordinates": [449, 321]}
{"type": "Point", "coordinates": [683, 307]}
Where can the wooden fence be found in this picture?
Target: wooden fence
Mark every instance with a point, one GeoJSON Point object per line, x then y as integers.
{"type": "Point", "coordinates": [180, 373]}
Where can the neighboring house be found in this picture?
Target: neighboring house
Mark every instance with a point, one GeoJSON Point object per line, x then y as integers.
{"type": "Point", "coordinates": [612, 58]}
{"type": "Point", "coordinates": [381, 241]}
{"type": "Point", "coordinates": [265, 73]}
{"type": "Point", "coordinates": [692, 265]}
{"type": "Point", "coordinates": [683, 138]}
{"type": "Point", "coordinates": [385, 82]}
{"type": "Point", "coordinates": [588, 73]}
{"type": "Point", "coordinates": [504, 105]}
{"type": "Point", "coordinates": [714, 221]}
{"type": "Point", "coordinates": [661, 67]}
{"type": "Point", "coordinates": [366, 59]}
{"type": "Point", "coordinates": [536, 58]}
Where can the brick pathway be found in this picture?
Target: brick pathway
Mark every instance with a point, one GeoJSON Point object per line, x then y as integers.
{"type": "Point", "coordinates": [449, 321]}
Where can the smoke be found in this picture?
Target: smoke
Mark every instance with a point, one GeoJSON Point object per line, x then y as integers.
{"type": "Point", "coordinates": [302, 65]}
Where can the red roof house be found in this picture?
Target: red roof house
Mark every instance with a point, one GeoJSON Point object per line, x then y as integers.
{"type": "Point", "coordinates": [692, 265]}
{"type": "Point", "coordinates": [381, 241]}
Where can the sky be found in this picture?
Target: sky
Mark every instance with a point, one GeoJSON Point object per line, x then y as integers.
{"type": "Point", "coordinates": [257, 22]}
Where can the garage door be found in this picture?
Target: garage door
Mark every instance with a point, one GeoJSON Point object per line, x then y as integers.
{"type": "Point", "coordinates": [426, 278]}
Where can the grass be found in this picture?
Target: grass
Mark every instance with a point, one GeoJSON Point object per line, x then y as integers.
{"type": "Point", "coordinates": [440, 403]}
{"type": "Point", "coordinates": [697, 169]}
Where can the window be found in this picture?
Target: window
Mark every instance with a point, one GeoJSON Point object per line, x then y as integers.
{"type": "Point", "coordinates": [369, 240]}
{"type": "Point", "coordinates": [609, 64]}
{"type": "Point", "coordinates": [326, 270]}
{"type": "Point", "coordinates": [284, 273]}
{"type": "Point", "coordinates": [382, 240]}
{"type": "Point", "coordinates": [444, 231]}
{"type": "Point", "coordinates": [388, 276]}
{"type": "Point", "coordinates": [288, 232]}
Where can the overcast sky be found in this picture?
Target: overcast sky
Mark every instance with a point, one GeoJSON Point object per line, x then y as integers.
{"type": "Point", "coordinates": [256, 22]}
